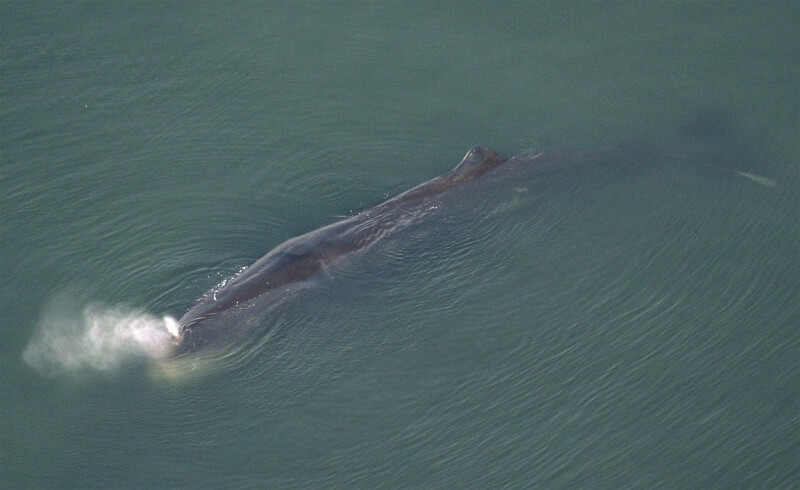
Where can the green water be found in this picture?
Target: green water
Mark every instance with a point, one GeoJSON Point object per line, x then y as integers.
{"type": "Point", "coordinates": [601, 330]}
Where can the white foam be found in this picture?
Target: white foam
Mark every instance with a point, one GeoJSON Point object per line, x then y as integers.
{"type": "Point", "coordinates": [97, 337]}
{"type": "Point", "coordinates": [760, 179]}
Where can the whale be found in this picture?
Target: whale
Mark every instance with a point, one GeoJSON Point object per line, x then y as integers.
{"type": "Point", "coordinates": [303, 257]}
{"type": "Point", "coordinates": [300, 258]}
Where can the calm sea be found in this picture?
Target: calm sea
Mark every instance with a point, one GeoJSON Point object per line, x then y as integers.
{"type": "Point", "coordinates": [621, 329]}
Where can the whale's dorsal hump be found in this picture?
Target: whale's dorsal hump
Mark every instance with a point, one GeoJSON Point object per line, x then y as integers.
{"type": "Point", "coordinates": [479, 159]}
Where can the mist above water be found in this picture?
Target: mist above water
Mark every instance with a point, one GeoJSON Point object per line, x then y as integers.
{"type": "Point", "coordinates": [96, 337]}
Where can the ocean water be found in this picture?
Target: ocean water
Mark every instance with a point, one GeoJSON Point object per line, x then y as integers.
{"type": "Point", "coordinates": [632, 328]}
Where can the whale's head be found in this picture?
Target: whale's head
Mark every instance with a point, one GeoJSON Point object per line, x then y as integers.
{"type": "Point", "coordinates": [478, 160]}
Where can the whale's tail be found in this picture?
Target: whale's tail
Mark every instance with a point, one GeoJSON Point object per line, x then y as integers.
{"type": "Point", "coordinates": [709, 141]}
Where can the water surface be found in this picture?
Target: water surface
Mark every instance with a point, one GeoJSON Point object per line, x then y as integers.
{"type": "Point", "coordinates": [605, 330]}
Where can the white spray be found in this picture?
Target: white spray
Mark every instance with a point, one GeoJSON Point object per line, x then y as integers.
{"type": "Point", "coordinates": [97, 337]}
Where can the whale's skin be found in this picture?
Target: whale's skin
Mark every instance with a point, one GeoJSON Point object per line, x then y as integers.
{"type": "Point", "coordinates": [300, 258]}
